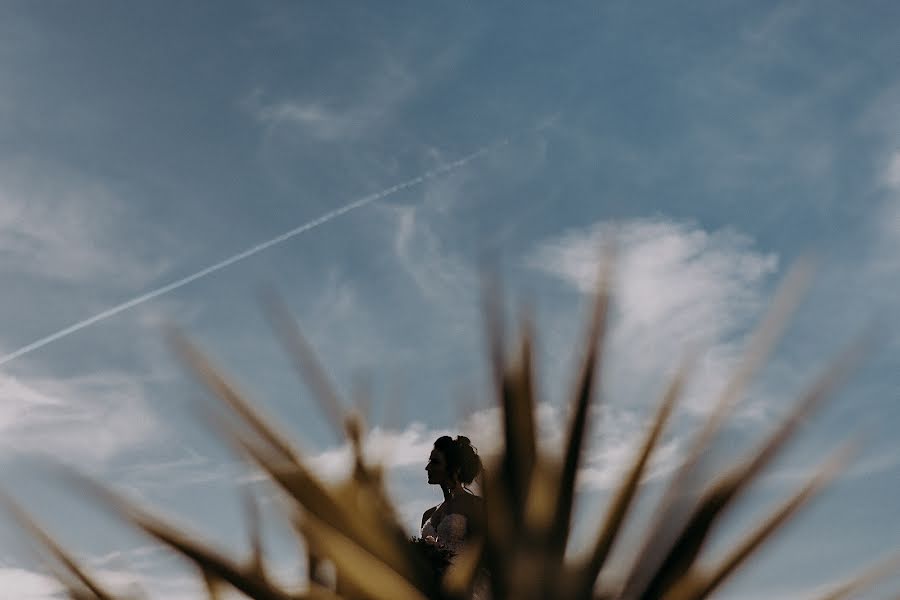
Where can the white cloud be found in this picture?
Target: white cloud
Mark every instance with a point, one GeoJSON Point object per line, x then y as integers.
{"type": "Point", "coordinates": [79, 419]}
{"type": "Point", "coordinates": [410, 446]}
{"type": "Point", "coordinates": [675, 273]}
{"type": "Point", "coordinates": [677, 285]}
{"type": "Point", "coordinates": [393, 449]}
{"type": "Point", "coordinates": [188, 469]}
{"type": "Point", "coordinates": [323, 123]}
{"type": "Point", "coordinates": [622, 433]}
{"type": "Point", "coordinates": [892, 171]}
{"type": "Point", "coordinates": [152, 569]}
{"type": "Point", "coordinates": [889, 216]}
{"type": "Point", "coordinates": [22, 584]}
{"type": "Point", "coordinates": [62, 227]}
{"type": "Point", "coordinates": [882, 261]}
{"type": "Point", "coordinates": [335, 118]}
{"type": "Point", "coordinates": [442, 278]}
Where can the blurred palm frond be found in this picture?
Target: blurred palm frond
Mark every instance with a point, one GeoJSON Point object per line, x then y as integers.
{"type": "Point", "coordinates": [529, 495]}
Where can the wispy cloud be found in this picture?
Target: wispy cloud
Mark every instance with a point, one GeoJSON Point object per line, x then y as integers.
{"type": "Point", "coordinates": [63, 227]}
{"type": "Point", "coordinates": [892, 171]}
{"type": "Point", "coordinates": [876, 461]}
{"type": "Point", "coordinates": [24, 584]}
{"type": "Point", "coordinates": [890, 216]}
{"type": "Point", "coordinates": [85, 420]}
{"type": "Point", "coordinates": [345, 117]}
{"type": "Point", "coordinates": [437, 273]}
{"type": "Point", "coordinates": [679, 286]}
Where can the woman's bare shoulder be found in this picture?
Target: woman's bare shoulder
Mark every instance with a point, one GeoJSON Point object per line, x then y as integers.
{"type": "Point", "coordinates": [427, 514]}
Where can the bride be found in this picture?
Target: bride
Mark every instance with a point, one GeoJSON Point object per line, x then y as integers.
{"type": "Point", "coordinates": [453, 465]}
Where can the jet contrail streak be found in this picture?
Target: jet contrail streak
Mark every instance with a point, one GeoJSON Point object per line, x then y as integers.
{"type": "Point", "coordinates": [445, 168]}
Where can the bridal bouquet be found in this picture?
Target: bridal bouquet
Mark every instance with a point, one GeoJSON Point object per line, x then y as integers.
{"type": "Point", "coordinates": [438, 557]}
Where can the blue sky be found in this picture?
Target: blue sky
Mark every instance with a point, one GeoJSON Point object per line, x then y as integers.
{"type": "Point", "coordinates": [717, 141]}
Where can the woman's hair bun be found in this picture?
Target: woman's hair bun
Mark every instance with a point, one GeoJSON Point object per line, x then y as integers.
{"type": "Point", "coordinates": [462, 458]}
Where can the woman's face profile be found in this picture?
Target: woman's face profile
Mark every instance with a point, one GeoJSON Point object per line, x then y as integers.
{"type": "Point", "coordinates": [436, 467]}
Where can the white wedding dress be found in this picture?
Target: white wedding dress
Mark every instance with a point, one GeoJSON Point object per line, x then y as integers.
{"type": "Point", "coordinates": [450, 532]}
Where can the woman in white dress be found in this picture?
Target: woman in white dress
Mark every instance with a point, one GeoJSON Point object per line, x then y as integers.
{"type": "Point", "coordinates": [453, 465]}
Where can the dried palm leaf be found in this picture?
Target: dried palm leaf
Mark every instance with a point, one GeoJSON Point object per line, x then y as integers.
{"type": "Point", "coordinates": [529, 494]}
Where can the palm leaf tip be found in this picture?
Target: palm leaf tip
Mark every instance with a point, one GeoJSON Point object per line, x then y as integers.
{"type": "Point", "coordinates": [70, 573]}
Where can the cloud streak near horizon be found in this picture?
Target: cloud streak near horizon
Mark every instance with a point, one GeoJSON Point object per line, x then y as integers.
{"type": "Point", "coordinates": [257, 248]}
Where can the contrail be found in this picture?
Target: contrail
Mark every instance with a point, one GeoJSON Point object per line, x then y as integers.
{"type": "Point", "coordinates": [441, 170]}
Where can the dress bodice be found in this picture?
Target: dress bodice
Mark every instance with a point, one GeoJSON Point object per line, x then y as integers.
{"type": "Point", "coordinates": [449, 532]}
